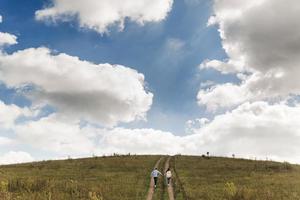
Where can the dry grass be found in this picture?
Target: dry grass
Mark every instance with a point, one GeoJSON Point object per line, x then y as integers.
{"type": "Point", "coordinates": [237, 179]}
{"type": "Point", "coordinates": [127, 178]}
{"type": "Point", "coordinates": [100, 178]}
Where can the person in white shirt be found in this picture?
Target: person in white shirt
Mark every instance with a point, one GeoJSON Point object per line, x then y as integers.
{"type": "Point", "coordinates": [155, 173]}
{"type": "Point", "coordinates": [168, 175]}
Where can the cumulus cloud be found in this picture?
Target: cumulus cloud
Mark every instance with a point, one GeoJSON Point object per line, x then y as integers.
{"type": "Point", "coordinates": [10, 113]}
{"type": "Point", "coordinates": [101, 14]}
{"type": "Point", "coordinates": [225, 95]}
{"type": "Point", "coordinates": [65, 137]}
{"type": "Point", "coordinates": [101, 93]}
{"type": "Point", "coordinates": [56, 135]}
{"type": "Point", "coordinates": [255, 129]}
{"type": "Point", "coordinates": [5, 141]}
{"type": "Point", "coordinates": [61, 136]}
{"type": "Point", "coordinates": [7, 39]}
{"type": "Point", "coordinates": [261, 41]}
{"type": "Point", "coordinates": [141, 141]}
{"type": "Point", "coordinates": [15, 157]}
{"type": "Point", "coordinates": [79, 91]}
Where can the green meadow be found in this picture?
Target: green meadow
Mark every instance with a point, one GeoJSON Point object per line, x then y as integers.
{"type": "Point", "coordinates": [128, 177]}
{"type": "Point", "coordinates": [237, 179]}
{"type": "Point", "coordinates": [98, 178]}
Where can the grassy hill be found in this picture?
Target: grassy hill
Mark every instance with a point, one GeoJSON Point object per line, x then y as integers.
{"type": "Point", "coordinates": [109, 178]}
{"type": "Point", "coordinates": [127, 178]}
{"type": "Point", "coordinates": [237, 179]}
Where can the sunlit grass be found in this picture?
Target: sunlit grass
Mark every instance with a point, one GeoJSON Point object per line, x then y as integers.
{"type": "Point", "coordinates": [108, 178]}
{"type": "Point", "coordinates": [127, 178]}
{"type": "Point", "coordinates": [237, 179]}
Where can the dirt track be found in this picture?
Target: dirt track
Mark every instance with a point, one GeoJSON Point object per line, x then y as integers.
{"type": "Point", "coordinates": [169, 188]}
{"type": "Point", "coordinates": [151, 187]}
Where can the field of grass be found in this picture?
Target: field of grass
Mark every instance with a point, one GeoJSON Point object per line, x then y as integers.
{"type": "Point", "coordinates": [127, 178]}
{"type": "Point", "coordinates": [108, 178]}
{"type": "Point", "coordinates": [237, 179]}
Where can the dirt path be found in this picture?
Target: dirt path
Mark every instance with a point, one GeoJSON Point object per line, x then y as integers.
{"type": "Point", "coordinates": [151, 187]}
{"type": "Point", "coordinates": [170, 187]}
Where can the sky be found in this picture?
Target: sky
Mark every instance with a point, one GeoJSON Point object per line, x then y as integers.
{"type": "Point", "coordinates": [86, 77]}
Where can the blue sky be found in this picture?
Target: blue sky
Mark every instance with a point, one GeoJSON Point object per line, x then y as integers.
{"type": "Point", "coordinates": [148, 77]}
{"type": "Point", "coordinates": [172, 75]}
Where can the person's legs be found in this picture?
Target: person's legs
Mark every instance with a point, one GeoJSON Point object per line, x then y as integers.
{"type": "Point", "coordinates": [155, 181]}
{"type": "Point", "coordinates": [168, 180]}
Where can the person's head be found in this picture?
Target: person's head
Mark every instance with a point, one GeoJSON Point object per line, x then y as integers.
{"type": "Point", "coordinates": [168, 169]}
{"type": "Point", "coordinates": [155, 168]}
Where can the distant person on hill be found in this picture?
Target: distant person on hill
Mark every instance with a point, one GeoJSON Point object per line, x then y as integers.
{"type": "Point", "coordinates": [168, 175]}
{"type": "Point", "coordinates": [155, 173]}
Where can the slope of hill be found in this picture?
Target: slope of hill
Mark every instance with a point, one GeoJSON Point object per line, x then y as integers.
{"type": "Point", "coordinates": [237, 179]}
{"type": "Point", "coordinates": [127, 178]}
{"type": "Point", "coordinates": [109, 178]}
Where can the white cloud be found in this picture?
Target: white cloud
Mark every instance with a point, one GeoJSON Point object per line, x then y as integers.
{"type": "Point", "coordinates": [225, 95]}
{"type": "Point", "coordinates": [7, 39]}
{"type": "Point", "coordinates": [224, 67]}
{"type": "Point", "coordinates": [1, 19]}
{"type": "Point", "coordinates": [141, 141]}
{"type": "Point", "coordinates": [100, 93]}
{"type": "Point", "coordinates": [15, 157]}
{"type": "Point", "coordinates": [65, 137]}
{"type": "Point", "coordinates": [192, 125]}
{"type": "Point", "coordinates": [5, 141]}
{"type": "Point", "coordinates": [99, 15]}
{"type": "Point", "coordinates": [54, 134]}
{"type": "Point", "coordinates": [9, 114]}
{"type": "Point", "coordinates": [260, 39]}
{"type": "Point", "coordinates": [257, 129]}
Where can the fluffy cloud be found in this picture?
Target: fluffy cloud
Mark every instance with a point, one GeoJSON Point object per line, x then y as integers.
{"type": "Point", "coordinates": [6, 38]}
{"type": "Point", "coordinates": [254, 129]}
{"type": "Point", "coordinates": [141, 141]}
{"type": "Point", "coordinates": [61, 136]}
{"type": "Point", "coordinates": [65, 137]}
{"type": "Point", "coordinates": [225, 95]}
{"type": "Point", "coordinates": [56, 135]}
{"type": "Point", "coordinates": [10, 113]}
{"type": "Point", "coordinates": [101, 93]}
{"type": "Point", "coordinates": [15, 157]}
{"type": "Point", "coordinates": [4, 141]}
{"type": "Point", "coordinates": [101, 14]}
{"type": "Point", "coordinates": [260, 39]}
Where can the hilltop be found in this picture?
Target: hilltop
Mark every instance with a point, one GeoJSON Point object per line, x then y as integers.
{"type": "Point", "coordinates": [127, 178]}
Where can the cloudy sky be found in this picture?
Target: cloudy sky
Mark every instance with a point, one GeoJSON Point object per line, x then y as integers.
{"type": "Point", "coordinates": [87, 77]}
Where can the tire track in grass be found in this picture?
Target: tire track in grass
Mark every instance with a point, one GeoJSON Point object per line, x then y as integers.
{"type": "Point", "coordinates": [185, 196]}
{"type": "Point", "coordinates": [151, 187]}
{"type": "Point", "coordinates": [170, 186]}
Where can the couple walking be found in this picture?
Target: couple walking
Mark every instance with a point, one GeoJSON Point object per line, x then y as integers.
{"type": "Point", "coordinates": [155, 173]}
